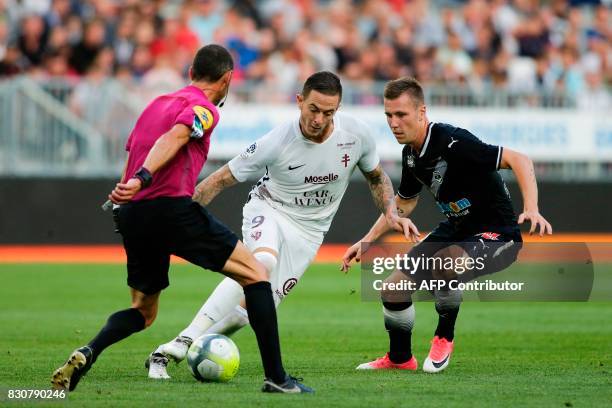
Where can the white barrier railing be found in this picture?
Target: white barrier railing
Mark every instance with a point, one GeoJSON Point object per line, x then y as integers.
{"type": "Point", "coordinates": [53, 129]}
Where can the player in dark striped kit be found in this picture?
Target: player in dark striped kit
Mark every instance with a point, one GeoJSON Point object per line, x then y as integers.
{"type": "Point", "coordinates": [461, 172]}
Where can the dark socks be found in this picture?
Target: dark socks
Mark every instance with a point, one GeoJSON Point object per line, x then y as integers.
{"type": "Point", "coordinates": [400, 332]}
{"type": "Point", "coordinates": [262, 317]}
{"type": "Point", "coordinates": [118, 326]}
{"type": "Point", "coordinates": [400, 349]}
{"type": "Point", "coordinates": [446, 322]}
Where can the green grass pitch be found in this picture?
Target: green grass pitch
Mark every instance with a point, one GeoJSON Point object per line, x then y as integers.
{"type": "Point", "coordinates": [506, 354]}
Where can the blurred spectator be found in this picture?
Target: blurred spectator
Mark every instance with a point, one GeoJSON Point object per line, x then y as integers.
{"type": "Point", "coordinates": [515, 46]}
{"type": "Point", "coordinates": [32, 39]}
{"type": "Point", "coordinates": [206, 18]}
{"type": "Point", "coordinates": [595, 96]}
{"type": "Point", "coordinates": [86, 51]}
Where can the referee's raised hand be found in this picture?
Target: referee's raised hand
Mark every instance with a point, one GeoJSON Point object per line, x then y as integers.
{"type": "Point", "coordinates": [124, 192]}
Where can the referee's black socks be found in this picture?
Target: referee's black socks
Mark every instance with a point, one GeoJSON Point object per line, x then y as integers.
{"type": "Point", "coordinates": [262, 317]}
{"type": "Point", "coordinates": [119, 326]}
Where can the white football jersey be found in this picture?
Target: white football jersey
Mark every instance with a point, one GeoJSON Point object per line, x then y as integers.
{"type": "Point", "coordinates": [305, 180]}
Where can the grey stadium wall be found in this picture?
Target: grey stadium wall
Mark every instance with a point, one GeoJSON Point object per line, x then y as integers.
{"type": "Point", "coordinates": [67, 211]}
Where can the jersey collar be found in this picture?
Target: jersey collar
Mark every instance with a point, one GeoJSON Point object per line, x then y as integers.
{"type": "Point", "coordinates": [426, 142]}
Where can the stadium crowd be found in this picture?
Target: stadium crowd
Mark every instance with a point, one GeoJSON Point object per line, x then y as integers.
{"type": "Point", "coordinates": [521, 46]}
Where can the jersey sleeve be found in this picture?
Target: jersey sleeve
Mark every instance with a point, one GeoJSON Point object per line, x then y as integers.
{"type": "Point", "coordinates": [200, 119]}
{"type": "Point", "coordinates": [409, 186]}
{"type": "Point", "coordinates": [467, 149]}
{"type": "Point", "coordinates": [255, 157]}
{"type": "Point", "coordinates": [369, 159]}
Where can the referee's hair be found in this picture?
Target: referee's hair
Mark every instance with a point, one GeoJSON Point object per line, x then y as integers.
{"type": "Point", "coordinates": [210, 63]}
{"type": "Point", "coordinates": [394, 89]}
{"type": "Point", "coordinates": [324, 82]}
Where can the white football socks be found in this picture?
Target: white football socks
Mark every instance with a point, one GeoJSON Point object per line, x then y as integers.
{"type": "Point", "coordinates": [226, 296]}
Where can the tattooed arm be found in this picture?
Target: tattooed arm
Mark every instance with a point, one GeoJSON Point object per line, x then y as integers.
{"type": "Point", "coordinates": [382, 190]}
{"type": "Point", "coordinates": [212, 185]}
{"type": "Point", "coordinates": [522, 166]}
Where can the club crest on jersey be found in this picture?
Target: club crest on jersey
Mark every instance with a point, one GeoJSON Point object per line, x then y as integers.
{"type": "Point", "coordinates": [410, 160]}
{"type": "Point", "coordinates": [256, 235]}
{"type": "Point", "coordinates": [249, 151]}
{"type": "Point", "coordinates": [491, 236]}
{"type": "Point", "coordinates": [345, 159]}
{"type": "Point", "coordinates": [288, 285]}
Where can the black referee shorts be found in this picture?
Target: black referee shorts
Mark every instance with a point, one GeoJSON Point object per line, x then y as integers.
{"type": "Point", "coordinates": [152, 230]}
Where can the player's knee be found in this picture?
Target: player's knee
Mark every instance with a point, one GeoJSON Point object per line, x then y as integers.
{"type": "Point", "coordinates": [148, 311]}
{"type": "Point", "coordinates": [149, 315]}
{"type": "Point", "coordinates": [448, 299]}
{"type": "Point", "coordinates": [252, 273]}
{"type": "Point", "coordinates": [399, 316]}
{"type": "Point", "coordinates": [267, 260]}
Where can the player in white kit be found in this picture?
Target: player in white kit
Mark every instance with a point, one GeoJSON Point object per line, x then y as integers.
{"type": "Point", "coordinates": [307, 164]}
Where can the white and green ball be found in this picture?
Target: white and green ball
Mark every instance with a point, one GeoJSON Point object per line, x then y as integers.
{"type": "Point", "coordinates": [213, 357]}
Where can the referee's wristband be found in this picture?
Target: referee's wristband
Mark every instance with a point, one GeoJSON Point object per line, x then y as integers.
{"type": "Point", "coordinates": [145, 177]}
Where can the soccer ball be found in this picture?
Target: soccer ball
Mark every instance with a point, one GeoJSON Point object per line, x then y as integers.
{"type": "Point", "coordinates": [213, 357]}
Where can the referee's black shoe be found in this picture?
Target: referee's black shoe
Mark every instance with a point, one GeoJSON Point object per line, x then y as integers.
{"type": "Point", "coordinates": [291, 385]}
{"type": "Point", "coordinates": [68, 376]}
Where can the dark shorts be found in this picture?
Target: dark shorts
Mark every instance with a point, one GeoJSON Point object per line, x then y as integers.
{"type": "Point", "coordinates": [152, 230]}
{"type": "Point", "coordinates": [495, 247]}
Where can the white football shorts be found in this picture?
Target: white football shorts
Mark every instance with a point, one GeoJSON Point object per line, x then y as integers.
{"type": "Point", "coordinates": [265, 227]}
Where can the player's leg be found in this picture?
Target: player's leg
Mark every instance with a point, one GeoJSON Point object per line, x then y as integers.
{"type": "Point", "coordinates": [209, 319]}
{"type": "Point", "coordinates": [398, 309]}
{"type": "Point", "coordinates": [119, 325]}
{"type": "Point", "coordinates": [212, 246]}
{"type": "Point", "coordinates": [238, 318]}
{"type": "Point", "coordinates": [447, 304]}
{"type": "Point", "coordinates": [399, 317]}
{"type": "Point", "coordinates": [147, 267]}
{"type": "Point", "coordinates": [261, 309]}
{"type": "Point", "coordinates": [497, 250]}
{"type": "Point", "coordinates": [285, 268]}
{"type": "Point", "coordinates": [261, 234]}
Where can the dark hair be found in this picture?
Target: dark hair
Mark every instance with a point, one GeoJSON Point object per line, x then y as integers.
{"type": "Point", "coordinates": [325, 82]}
{"type": "Point", "coordinates": [394, 89]}
{"type": "Point", "coordinates": [210, 63]}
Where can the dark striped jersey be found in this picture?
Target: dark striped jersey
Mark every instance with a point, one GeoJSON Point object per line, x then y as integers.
{"type": "Point", "coordinates": [461, 172]}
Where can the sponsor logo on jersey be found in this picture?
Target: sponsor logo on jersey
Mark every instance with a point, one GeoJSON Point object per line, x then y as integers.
{"type": "Point", "coordinates": [256, 235]}
{"type": "Point", "coordinates": [315, 198]}
{"type": "Point", "coordinates": [295, 167]}
{"type": "Point", "coordinates": [321, 179]}
{"type": "Point", "coordinates": [455, 208]}
{"type": "Point", "coordinates": [452, 142]}
{"type": "Point", "coordinates": [288, 285]}
{"type": "Point", "coordinates": [204, 115]}
{"type": "Point", "coordinates": [249, 151]}
{"type": "Point", "coordinates": [410, 160]}
{"type": "Point", "coordinates": [491, 236]}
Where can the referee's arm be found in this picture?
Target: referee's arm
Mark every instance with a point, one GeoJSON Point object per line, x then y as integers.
{"type": "Point", "coordinates": [164, 150]}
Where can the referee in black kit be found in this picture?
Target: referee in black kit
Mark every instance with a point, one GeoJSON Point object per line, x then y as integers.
{"type": "Point", "coordinates": [157, 218]}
